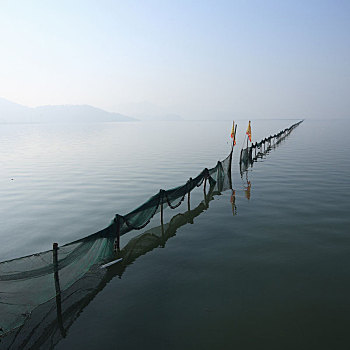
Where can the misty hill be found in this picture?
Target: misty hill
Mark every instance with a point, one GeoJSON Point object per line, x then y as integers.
{"type": "Point", "coordinates": [14, 113]}
{"type": "Point", "coordinates": [78, 113]}
{"type": "Point", "coordinates": [162, 117]}
{"type": "Point", "coordinates": [147, 111]}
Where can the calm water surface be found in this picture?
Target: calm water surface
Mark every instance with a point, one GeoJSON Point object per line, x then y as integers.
{"type": "Point", "coordinates": [274, 276]}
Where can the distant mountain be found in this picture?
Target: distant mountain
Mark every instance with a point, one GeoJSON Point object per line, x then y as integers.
{"type": "Point", "coordinates": [78, 113]}
{"type": "Point", "coordinates": [14, 113]}
{"type": "Point", "coordinates": [160, 117]}
{"type": "Point", "coordinates": [147, 111]}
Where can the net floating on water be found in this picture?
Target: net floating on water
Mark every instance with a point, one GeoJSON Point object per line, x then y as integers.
{"type": "Point", "coordinates": [260, 148]}
{"type": "Point", "coordinates": [33, 280]}
{"type": "Point", "coordinates": [46, 290]}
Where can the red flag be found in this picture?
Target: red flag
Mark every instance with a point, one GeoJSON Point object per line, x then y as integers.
{"type": "Point", "coordinates": [249, 132]}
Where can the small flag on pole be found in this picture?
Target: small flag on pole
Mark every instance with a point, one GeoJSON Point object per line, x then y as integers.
{"type": "Point", "coordinates": [249, 132]}
{"type": "Point", "coordinates": [233, 136]}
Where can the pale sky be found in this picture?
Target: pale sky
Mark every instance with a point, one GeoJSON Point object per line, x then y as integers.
{"type": "Point", "coordinates": [198, 59]}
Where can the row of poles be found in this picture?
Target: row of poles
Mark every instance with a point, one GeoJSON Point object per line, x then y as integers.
{"type": "Point", "coordinates": [118, 218]}
{"type": "Point", "coordinates": [247, 154]}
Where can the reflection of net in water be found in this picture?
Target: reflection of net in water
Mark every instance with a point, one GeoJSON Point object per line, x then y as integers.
{"type": "Point", "coordinates": [30, 281]}
{"type": "Point", "coordinates": [46, 326]}
{"type": "Point", "coordinates": [44, 292]}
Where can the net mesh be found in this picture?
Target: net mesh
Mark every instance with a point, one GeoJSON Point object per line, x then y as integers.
{"type": "Point", "coordinates": [20, 277]}
{"type": "Point", "coordinates": [42, 294]}
{"type": "Point", "coordinates": [44, 329]}
{"type": "Point", "coordinates": [257, 149]}
{"type": "Point", "coordinates": [55, 271]}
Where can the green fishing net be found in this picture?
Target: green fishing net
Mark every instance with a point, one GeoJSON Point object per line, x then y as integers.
{"type": "Point", "coordinates": [257, 149]}
{"type": "Point", "coordinates": [30, 281]}
{"type": "Point", "coordinates": [37, 290]}
{"type": "Point", "coordinates": [45, 328]}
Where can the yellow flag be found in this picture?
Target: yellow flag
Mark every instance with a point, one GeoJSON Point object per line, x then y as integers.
{"type": "Point", "coordinates": [249, 132]}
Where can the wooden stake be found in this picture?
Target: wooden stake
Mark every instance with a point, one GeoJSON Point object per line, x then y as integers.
{"type": "Point", "coordinates": [162, 211]}
{"type": "Point", "coordinates": [58, 289]}
{"type": "Point", "coordinates": [189, 195]}
{"type": "Point", "coordinates": [117, 238]}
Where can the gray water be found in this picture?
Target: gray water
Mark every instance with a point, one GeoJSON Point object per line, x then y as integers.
{"type": "Point", "coordinates": [275, 275]}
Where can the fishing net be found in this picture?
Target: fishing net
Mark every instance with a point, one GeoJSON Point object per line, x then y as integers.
{"type": "Point", "coordinates": [251, 153]}
{"type": "Point", "coordinates": [42, 294]}
{"type": "Point", "coordinates": [45, 328]}
{"type": "Point", "coordinates": [20, 278]}
{"type": "Point", "coordinates": [27, 282]}
{"type": "Point", "coordinates": [57, 279]}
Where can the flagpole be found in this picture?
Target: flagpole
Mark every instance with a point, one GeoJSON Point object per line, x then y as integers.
{"type": "Point", "coordinates": [234, 138]}
{"type": "Point", "coordinates": [235, 131]}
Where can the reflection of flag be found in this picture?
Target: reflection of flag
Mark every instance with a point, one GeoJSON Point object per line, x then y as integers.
{"type": "Point", "coordinates": [233, 136]}
{"type": "Point", "coordinates": [233, 202]}
{"type": "Point", "coordinates": [247, 190]}
{"type": "Point", "coordinates": [233, 197]}
{"type": "Point", "coordinates": [249, 132]}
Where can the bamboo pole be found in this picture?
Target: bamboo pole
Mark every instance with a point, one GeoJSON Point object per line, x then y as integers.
{"type": "Point", "coordinates": [58, 289]}
{"type": "Point", "coordinates": [189, 195]}
{"type": "Point", "coordinates": [162, 212]}
{"type": "Point", "coordinates": [117, 238]}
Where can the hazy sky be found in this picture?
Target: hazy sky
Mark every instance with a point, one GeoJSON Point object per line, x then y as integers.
{"type": "Point", "coordinates": [199, 59]}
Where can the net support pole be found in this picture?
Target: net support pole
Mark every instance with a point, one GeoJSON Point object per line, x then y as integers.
{"type": "Point", "coordinates": [58, 290]}
{"type": "Point", "coordinates": [206, 177]}
{"type": "Point", "coordinates": [189, 194]}
{"type": "Point", "coordinates": [231, 153]}
{"type": "Point", "coordinates": [117, 238]}
{"type": "Point", "coordinates": [229, 170]}
{"type": "Point", "coordinates": [161, 211]}
{"type": "Point", "coordinates": [230, 162]}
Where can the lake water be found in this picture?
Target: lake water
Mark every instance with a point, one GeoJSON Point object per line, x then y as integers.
{"type": "Point", "coordinates": [274, 276]}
